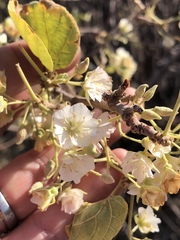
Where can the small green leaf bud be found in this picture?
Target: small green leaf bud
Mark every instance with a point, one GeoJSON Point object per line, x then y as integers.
{"type": "Point", "coordinates": [162, 111]}
{"type": "Point", "coordinates": [2, 82]}
{"type": "Point", "coordinates": [148, 114]}
{"type": "Point", "coordinates": [149, 93]}
{"type": "Point", "coordinates": [140, 91]}
{"type": "Point", "coordinates": [40, 133]}
{"type": "Point", "coordinates": [82, 67]}
{"type": "Point", "coordinates": [44, 95]}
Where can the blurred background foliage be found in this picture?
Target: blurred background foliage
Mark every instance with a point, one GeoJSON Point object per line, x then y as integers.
{"type": "Point", "coordinates": [148, 32]}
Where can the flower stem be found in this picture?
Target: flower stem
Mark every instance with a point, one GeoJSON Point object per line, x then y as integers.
{"type": "Point", "coordinates": [130, 215]}
{"type": "Point", "coordinates": [106, 149]}
{"type": "Point", "coordinates": [116, 188]}
{"type": "Point", "coordinates": [176, 128]}
{"type": "Point", "coordinates": [125, 136]}
{"type": "Point", "coordinates": [172, 117]}
{"type": "Point", "coordinates": [38, 70]}
{"type": "Point", "coordinates": [25, 115]}
{"type": "Point", "coordinates": [25, 81]}
{"type": "Point", "coordinates": [31, 92]}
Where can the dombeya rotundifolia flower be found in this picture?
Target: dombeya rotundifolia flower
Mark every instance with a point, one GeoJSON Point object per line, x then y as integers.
{"type": "Point", "coordinates": [146, 220]}
{"type": "Point", "coordinates": [75, 126]}
{"type": "Point", "coordinates": [139, 165]}
{"type": "Point", "coordinates": [74, 166]}
{"type": "Point", "coordinates": [43, 197]}
{"type": "Point", "coordinates": [96, 83]}
{"type": "Point", "coordinates": [71, 200]}
{"type": "Point", "coordinates": [155, 148]}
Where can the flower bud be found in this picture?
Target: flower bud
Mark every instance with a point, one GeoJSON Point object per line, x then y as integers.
{"type": "Point", "coordinates": [93, 150]}
{"type": "Point", "coordinates": [21, 135]}
{"type": "Point", "coordinates": [148, 115]}
{"type": "Point", "coordinates": [49, 169]}
{"type": "Point", "coordinates": [82, 67]}
{"type": "Point", "coordinates": [149, 93]}
{"type": "Point", "coordinates": [140, 91]}
{"type": "Point", "coordinates": [107, 178]}
{"type": "Point", "coordinates": [44, 95]}
{"type": "Point", "coordinates": [2, 82]}
{"type": "Point", "coordinates": [162, 111]}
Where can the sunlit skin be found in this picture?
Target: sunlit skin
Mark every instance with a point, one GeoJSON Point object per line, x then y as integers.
{"type": "Point", "coordinates": [17, 178]}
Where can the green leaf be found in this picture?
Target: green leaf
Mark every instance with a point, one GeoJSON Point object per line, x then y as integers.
{"type": "Point", "coordinates": [101, 220]}
{"type": "Point", "coordinates": [49, 30]}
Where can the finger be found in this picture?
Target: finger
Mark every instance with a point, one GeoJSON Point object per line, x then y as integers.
{"type": "Point", "coordinates": [51, 224]}
{"type": "Point", "coordinates": [94, 186]}
{"type": "Point", "coordinates": [47, 225]}
{"type": "Point", "coordinates": [12, 55]}
{"type": "Point", "coordinates": [17, 178]}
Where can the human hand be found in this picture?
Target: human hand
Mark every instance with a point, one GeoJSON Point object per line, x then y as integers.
{"type": "Point", "coordinates": [17, 178]}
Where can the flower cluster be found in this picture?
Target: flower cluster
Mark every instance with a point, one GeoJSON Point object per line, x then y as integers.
{"type": "Point", "coordinates": [78, 132]}
{"type": "Point", "coordinates": [76, 128]}
{"type": "Point", "coordinates": [75, 113]}
{"type": "Point", "coordinates": [123, 63]}
{"type": "Point", "coordinates": [156, 175]}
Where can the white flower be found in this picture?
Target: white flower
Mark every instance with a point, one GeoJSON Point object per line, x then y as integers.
{"type": "Point", "coordinates": [71, 200]}
{"type": "Point", "coordinates": [105, 129]}
{"type": "Point", "coordinates": [138, 165]}
{"type": "Point", "coordinates": [74, 167]}
{"type": "Point", "coordinates": [125, 26]}
{"type": "Point", "coordinates": [175, 162]}
{"type": "Point", "coordinates": [43, 197]}
{"type": "Point", "coordinates": [147, 220]}
{"type": "Point", "coordinates": [133, 190]}
{"type": "Point", "coordinates": [156, 149]}
{"type": "Point", "coordinates": [96, 83]}
{"type": "Point", "coordinates": [123, 63]}
{"type": "Point", "coordinates": [75, 126]}
{"type": "Point", "coordinates": [3, 104]}
{"type": "Point", "coordinates": [3, 38]}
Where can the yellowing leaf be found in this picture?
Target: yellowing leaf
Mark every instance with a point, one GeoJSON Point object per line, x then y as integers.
{"type": "Point", "coordinates": [49, 30]}
{"type": "Point", "coordinates": [101, 220]}
{"type": "Point", "coordinates": [34, 42]}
